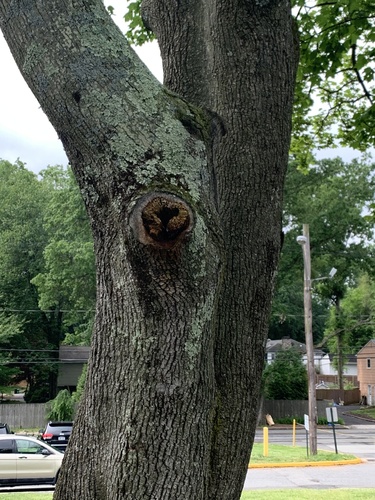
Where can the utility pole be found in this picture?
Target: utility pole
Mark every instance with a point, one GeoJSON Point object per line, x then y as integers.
{"type": "Point", "coordinates": [304, 241]}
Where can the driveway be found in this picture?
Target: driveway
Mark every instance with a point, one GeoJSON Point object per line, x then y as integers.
{"type": "Point", "coordinates": [349, 420]}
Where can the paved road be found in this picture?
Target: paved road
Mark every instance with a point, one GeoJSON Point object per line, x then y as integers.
{"type": "Point", "coordinates": [358, 440]}
{"type": "Point", "coordinates": [339, 476]}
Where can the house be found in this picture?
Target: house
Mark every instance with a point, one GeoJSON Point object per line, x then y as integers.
{"type": "Point", "coordinates": [366, 372]}
{"type": "Point", "coordinates": [323, 362]}
{"type": "Point", "coordinates": [72, 358]}
{"type": "Point", "coordinates": [274, 346]}
{"type": "Point", "coordinates": [327, 366]}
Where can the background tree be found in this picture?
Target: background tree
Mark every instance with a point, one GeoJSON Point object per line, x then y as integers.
{"type": "Point", "coordinates": [10, 328]}
{"type": "Point", "coordinates": [67, 283]}
{"type": "Point", "coordinates": [331, 197]}
{"type": "Point", "coordinates": [178, 199]}
{"type": "Point", "coordinates": [286, 376]}
{"type": "Point", "coordinates": [28, 334]}
{"type": "Point", "coordinates": [350, 329]}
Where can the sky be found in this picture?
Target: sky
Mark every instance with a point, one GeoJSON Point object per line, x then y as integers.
{"type": "Point", "coordinates": [25, 131]}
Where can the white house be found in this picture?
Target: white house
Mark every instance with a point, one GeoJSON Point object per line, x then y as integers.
{"type": "Point", "coordinates": [322, 361]}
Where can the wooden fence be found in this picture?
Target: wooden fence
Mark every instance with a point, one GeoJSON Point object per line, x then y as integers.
{"type": "Point", "coordinates": [23, 416]}
{"type": "Point", "coordinates": [347, 397]}
{"type": "Point", "coordinates": [279, 409]}
{"type": "Point", "coordinates": [33, 416]}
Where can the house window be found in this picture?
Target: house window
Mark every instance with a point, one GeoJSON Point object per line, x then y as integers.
{"type": "Point", "coordinates": [368, 363]}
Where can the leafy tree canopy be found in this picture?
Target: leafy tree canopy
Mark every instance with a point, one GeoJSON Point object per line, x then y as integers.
{"type": "Point", "coordinates": [355, 321]}
{"type": "Point", "coordinates": [286, 376]}
{"type": "Point", "coordinates": [331, 198]}
{"type": "Point", "coordinates": [336, 68]}
{"type": "Point", "coordinates": [67, 282]}
{"type": "Point", "coordinates": [46, 268]}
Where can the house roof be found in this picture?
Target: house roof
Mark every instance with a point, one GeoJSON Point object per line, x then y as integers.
{"type": "Point", "coordinates": [350, 358]}
{"type": "Point", "coordinates": [370, 343]}
{"type": "Point", "coordinates": [287, 343]}
{"type": "Point", "coordinates": [74, 353]}
{"type": "Point", "coordinates": [284, 343]}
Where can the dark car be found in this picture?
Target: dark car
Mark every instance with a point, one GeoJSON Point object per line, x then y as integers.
{"type": "Point", "coordinates": [4, 429]}
{"type": "Point", "coordinates": [57, 434]}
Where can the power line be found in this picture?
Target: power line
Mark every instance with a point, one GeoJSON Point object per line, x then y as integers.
{"type": "Point", "coordinates": [29, 350]}
{"type": "Point", "coordinates": [49, 310]}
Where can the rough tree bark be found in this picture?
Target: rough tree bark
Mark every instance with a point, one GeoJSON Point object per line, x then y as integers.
{"type": "Point", "coordinates": [183, 188]}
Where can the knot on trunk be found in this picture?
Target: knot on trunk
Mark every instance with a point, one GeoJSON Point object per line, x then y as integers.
{"type": "Point", "coordinates": [161, 220]}
{"type": "Point", "coordinates": [164, 219]}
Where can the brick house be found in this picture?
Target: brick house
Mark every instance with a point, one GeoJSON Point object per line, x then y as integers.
{"type": "Point", "coordinates": [366, 372]}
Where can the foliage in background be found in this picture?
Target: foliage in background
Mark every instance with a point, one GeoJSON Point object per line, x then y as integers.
{"type": "Point", "coordinates": [137, 34]}
{"type": "Point", "coordinates": [331, 197]}
{"type": "Point", "coordinates": [61, 408]}
{"type": "Point", "coordinates": [286, 376]}
{"type": "Point", "coordinates": [67, 283]}
{"type": "Point", "coordinates": [47, 274]}
{"type": "Point", "coordinates": [335, 82]}
{"type": "Point", "coordinates": [25, 331]}
{"type": "Point", "coordinates": [356, 321]}
{"type": "Point", "coordinates": [77, 394]}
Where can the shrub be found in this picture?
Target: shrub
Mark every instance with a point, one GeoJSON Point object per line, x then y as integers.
{"type": "Point", "coordinates": [61, 408]}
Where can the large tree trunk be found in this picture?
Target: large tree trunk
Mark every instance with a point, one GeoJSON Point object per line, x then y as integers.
{"type": "Point", "coordinates": [185, 207]}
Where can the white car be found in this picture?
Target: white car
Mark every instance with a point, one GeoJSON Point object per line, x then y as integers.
{"type": "Point", "coordinates": [26, 460]}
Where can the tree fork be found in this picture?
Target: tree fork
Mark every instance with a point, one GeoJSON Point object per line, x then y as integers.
{"type": "Point", "coordinates": [182, 314]}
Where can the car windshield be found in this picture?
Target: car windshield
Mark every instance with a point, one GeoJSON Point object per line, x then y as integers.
{"type": "Point", "coordinates": [56, 429]}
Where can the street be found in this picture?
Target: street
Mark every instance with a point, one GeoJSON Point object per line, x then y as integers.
{"type": "Point", "coordinates": [356, 440]}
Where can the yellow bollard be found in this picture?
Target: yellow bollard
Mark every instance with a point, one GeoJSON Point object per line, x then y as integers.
{"type": "Point", "coordinates": [294, 432]}
{"type": "Point", "coordinates": [265, 441]}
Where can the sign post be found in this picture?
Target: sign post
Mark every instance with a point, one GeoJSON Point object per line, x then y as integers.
{"type": "Point", "coordinates": [307, 426]}
{"type": "Point", "coordinates": [332, 417]}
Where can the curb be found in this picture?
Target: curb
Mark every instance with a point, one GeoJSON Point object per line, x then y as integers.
{"type": "Point", "coordinates": [326, 463]}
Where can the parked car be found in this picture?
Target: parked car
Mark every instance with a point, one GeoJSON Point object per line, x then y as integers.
{"type": "Point", "coordinates": [26, 460]}
{"type": "Point", "coordinates": [4, 429]}
{"type": "Point", "coordinates": [57, 434]}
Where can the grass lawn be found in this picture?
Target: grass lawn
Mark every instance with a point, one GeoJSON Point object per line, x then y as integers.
{"type": "Point", "coordinates": [304, 494]}
{"type": "Point", "coordinates": [278, 453]}
{"type": "Point", "coordinates": [295, 494]}
{"type": "Point", "coordinates": [37, 495]}
{"type": "Point", "coordinates": [367, 412]}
